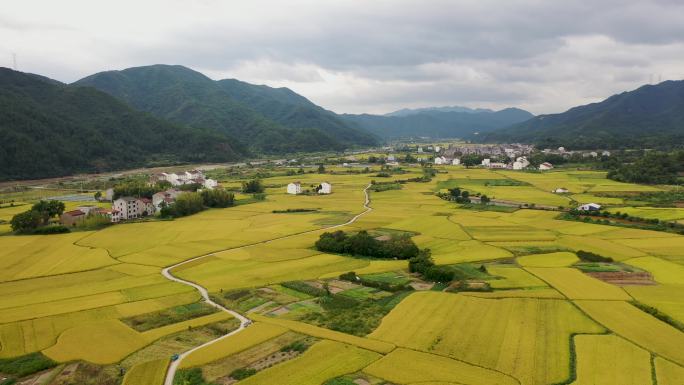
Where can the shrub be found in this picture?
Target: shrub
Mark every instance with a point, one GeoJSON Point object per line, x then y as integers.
{"type": "Point", "coordinates": [588, 256]}
{"type": "Point", "coordinates": [305, 288]}
{"type": "Point", "coordinates": [242, 373]}
{"type": "Point", "coordinates": [25, 365]}
{"type": "Point", "coordinates": [362, 244]}
{"type": "Point", "coordinates": [253, 186]}
{"type": "Point", "coordinates": [54, 229]}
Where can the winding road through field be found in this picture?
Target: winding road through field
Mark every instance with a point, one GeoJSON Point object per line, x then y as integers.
{"type": "Point", "coordinates": [244, 321]}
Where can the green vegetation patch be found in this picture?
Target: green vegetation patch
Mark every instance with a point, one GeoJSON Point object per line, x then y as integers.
{"type": "Point", "coordinates": [25, 365]}
{"type": "Point", "coordinates": [169, 316]}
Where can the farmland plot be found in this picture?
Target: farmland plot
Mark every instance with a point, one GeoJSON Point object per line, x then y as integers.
{"type": "Point", "coordinates": [147, 373]}
{"type": "Point", "coordinates": [558, 259]}
{"type": "Point", "coordinates": [576, 285]}
{"type": "Point", "coordinates": [513, 278]}
{"type": "Point", "coordinates": [667, 372]}
{"type": "Point", "coordinates": [608, 359]}
{"type": "Point", "coordinates": [638, 327]}
{"type": "Point", "coordinates": [663, 271]}
{"type": "Point", "coordinates": [323, 361]}
{"type": "Point", "coordinates": [404, 366]}
{"type": "Point", "coordinates": [525, 338]}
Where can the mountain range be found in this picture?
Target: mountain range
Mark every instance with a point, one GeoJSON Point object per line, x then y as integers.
{"type": "Point", "coordinates": [265, 119]}
{"type": "Point", "coordinates": [651, 116]}
{"type": "Point", "coordinates": [444, 122]}
{"type": "Point", "coordinates": [49, 129]}
{"type": "Point", "coordinates": [165, 114]}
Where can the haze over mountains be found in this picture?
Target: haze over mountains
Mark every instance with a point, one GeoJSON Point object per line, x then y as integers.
{"type": "Point", "coordinates": [449, 122]}
{"type": "Point", "coordinates": [162, 114]}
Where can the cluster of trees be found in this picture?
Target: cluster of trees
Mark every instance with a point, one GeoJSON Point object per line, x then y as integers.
{"type": "Point", "coordinates": [39, 216]}
{"type": "Point", "coordinates": [588, 256]}
{"type": "Point", "coordinates": [363, 244]}
{"type": "Point", "coordinates": [650, 168]}
{"type": "Point", "coordinates": [141, 189]}
{"type": "Point", "coordinates": [458, 195]}
{"type": "Point", "coordinates": [658, 224]}
{"type": "Point", "coordinates": [424, 265]}
{"type": "Point", "coordinates": [253, 186]}
{"type": "Point", "coordinates": [193, 202]}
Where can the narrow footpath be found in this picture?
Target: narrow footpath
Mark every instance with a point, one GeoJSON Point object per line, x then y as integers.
{"type": "Point", "coordinates": [244, 321]}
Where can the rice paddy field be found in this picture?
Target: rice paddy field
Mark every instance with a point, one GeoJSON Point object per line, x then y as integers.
{"type": "Point", "coordinates": [70, 296]}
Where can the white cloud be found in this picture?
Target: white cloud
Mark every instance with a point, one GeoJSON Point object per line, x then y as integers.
{"type": "Point", "coordinates": [366, 56]}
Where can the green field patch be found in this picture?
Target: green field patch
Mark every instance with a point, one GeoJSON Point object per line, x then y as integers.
{"type": "Point", "coordinates": [169, 316]}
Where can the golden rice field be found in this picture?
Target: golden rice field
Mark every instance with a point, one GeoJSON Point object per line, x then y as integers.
{"type": "Point", "coordinates": [638, 327]}
{"type": "Point", "coordinates": [608, 359]}
{"type": "Point", "coordinates": [558, 259]}
{"type": "Point", "coordinates": [323, 361]}
{"type": "Point", "coordinates": [253, 335]}
{"type": "Point", "coordinates": [522, 337]}
{"type": "Point", "coordinates": [147, 373]}
{"type": "Point", "coordinates": [576, 285]}
{"type": "Point", "coordinates": [59, 292]}
{"type": "Point", "coordinates": [404, 366]}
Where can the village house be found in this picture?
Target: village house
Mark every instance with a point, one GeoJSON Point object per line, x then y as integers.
{"type": "Point", "coordinates": [438, 148]}
{"type": "Point", "coordinates": [325, 188]}
{"type": "Point", "coordinates": [497, 165]}
{"type": "Point", "coordinates": [72, 218]}
{"type": "Point", "coordinates": [294, 188]}
{"type": "Point", "coordinates": [167, 197]}
{"type": "Point", "coordinates": [590, 207]}
{"type": "Point", "coordinates": [187, 177]}
{"type": "Point", "coordinates": [132, 208]}
{"type": "Point", "coordinates": [521, 163]}
{"type": "Point", "coordinates": [456, 162]}
{"type": "Point", "coordinates": [441, 160]}
{"type": "Point", "coordinates": [545, 166]}
{"type": "Point", "coordinates": [486, 162]}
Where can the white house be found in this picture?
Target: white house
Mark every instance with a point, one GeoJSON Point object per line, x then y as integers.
{"type": "Point", "coordinates": [131, 208]}
{"type": "Point", "coordinates": [325, 188]}
{"type": "Point", "coordinates": [438, 148]}
{"type": "Point", "coordinates": [545, 166]}
{"type": "Point", "coordinates": [520, 163]}
{"type": "Point", "coordinates": [210, 184]}
{"type": "Point", "coordinates": [590, 207]}
{"type": "Point", "coordinates": [441, 160]}
{"type": "Point", "coordinates": [169, 196]}
{"type": "Point", "coordinates": [605, 153]}
{"type": "Point", "coordinates": [420, 149]}
{"type": "Point", "coordinates": [456, 162]}
{"type": "Point", "coordinates": [486, 162]}
{"type": "Point", "coordinates": [294, 188]}
{"type": "Point", "coordinates": [109, 194]}
{"type": "Point", "coordinates": [561, 190]}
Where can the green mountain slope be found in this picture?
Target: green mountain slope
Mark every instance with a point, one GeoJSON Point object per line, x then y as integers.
{"type": "Point", "coordinates": [292, 110]}
{"type": "Point", "coordinates": [650, 116]}
{"type": "Point", "coordinates": [50, 129]}
{"type": "Point", "coordinates": [437, 123]}
{"type": "Point", "coordinates": [263, 118]}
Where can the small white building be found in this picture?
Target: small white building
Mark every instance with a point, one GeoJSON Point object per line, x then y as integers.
{"type": "Point", "coordinates": [545, 166]}
{"type": "Point", "coordinates": [486, 162]}
{"type": "Point", "coordinates": [438, 148]}
{"type": "Point", "coordinates": [590, 207]}
{"type": "Point", "coordinates": [169, 196]}
{"type": "Point", "coordinates": [210, 184]}
{"type": "Point", "coordinates": [561, 190]}
{"type": "Point", "coordinates": [420, 149]}
{"type": "Point", "coordinates": [441, 160]}
{"type": "Point", "coordinates": [456, 162]}
{"type": "Point", "coordinates": [294, 188]}
{"type": "Point", "coordinates": [605, 153]}
{"type": "Point", "coordinates": [325, 188]}
{"type": "Point", "coordinates": [521, 163]}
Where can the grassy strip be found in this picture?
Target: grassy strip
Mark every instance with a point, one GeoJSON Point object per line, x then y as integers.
{"type": "Point", "coordinates": [659, 315]}
{"type": "Point", "coordinates": [170, 316]}
{"type": "Point", "coordinates": [25, 365]}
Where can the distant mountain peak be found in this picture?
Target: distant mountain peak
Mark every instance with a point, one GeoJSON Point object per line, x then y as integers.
{"type": "Point", "coordinates": [413, 111]}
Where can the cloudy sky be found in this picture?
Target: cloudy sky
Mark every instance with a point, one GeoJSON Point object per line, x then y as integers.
{"type": "Point", "coordinates": [364, 55]}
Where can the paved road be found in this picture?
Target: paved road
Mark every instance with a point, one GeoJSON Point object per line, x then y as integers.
{"type": "Point", "coordinates": [244, 321]}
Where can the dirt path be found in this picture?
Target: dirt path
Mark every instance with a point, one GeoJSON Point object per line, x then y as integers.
{"type": "Point", "coordinates": [244, 321]}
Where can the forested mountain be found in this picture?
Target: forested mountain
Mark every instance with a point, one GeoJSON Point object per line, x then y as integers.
{"type": "Point", "coordinates": [50, 129]}
{"type": "Point", "coordinates": [650, 116]}
{"type": "Point", "coordinates": [437, 123]}
{"type": "Point", "coordinates": [239, 109]}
